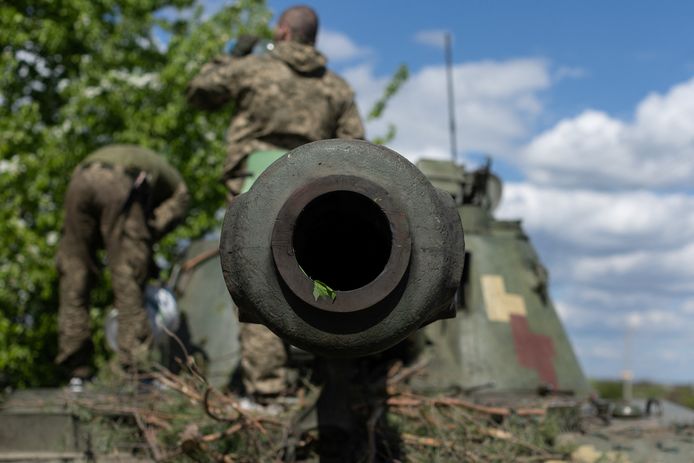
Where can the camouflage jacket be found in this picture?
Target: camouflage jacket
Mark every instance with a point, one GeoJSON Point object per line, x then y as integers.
{"type": "Point", "coordinates": [284, 98]}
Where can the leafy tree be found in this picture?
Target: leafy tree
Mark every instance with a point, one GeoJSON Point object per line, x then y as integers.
{"type": "Point", "coordinates": [79, 74]}
{"type": "Point", "coordinates": [76, 75]}
{"type": "Point", "coordinates": [396, 82]}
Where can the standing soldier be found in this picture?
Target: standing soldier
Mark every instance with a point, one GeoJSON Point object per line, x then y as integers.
{"type": "Point", "coordinates": [284, 98]}
{"type": "Point", "coordinates": [124, 198]}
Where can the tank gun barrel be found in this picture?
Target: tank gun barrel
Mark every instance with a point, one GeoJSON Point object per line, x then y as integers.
{"type": "Point", "coordinates": [342, 248]}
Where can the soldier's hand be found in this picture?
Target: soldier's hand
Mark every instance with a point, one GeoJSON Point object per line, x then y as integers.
{"type": "Point", "coordinates": [244, 45]}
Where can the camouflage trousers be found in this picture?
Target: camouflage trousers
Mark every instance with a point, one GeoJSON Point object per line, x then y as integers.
{"type": "Point", "coordinates": [263, 354]}
{"type": "Point", "coordinates": [264, 357]}
{"type": "Point", "coordinates": [96, 215]}
{"type": "Point", "coordinates": [263, 361]}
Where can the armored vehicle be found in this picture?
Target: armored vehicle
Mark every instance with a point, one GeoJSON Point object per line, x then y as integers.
{"type": "Point", "coordinates": [500, 341]}
{"type": "Point", "coordinates": [507, 337]}
{"type": "Point", "coordinates": [501, 334]}
{"type": "Point", "coordinates": [350, 253]}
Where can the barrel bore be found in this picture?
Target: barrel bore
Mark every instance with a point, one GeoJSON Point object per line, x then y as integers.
{"type": "Point", "coordinates": [343, 239]}
{"type": "Point", "coordinates": [346, 232]}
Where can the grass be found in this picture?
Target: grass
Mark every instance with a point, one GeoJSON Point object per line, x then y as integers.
{"type": "Point", "coordinates": [680, 394]}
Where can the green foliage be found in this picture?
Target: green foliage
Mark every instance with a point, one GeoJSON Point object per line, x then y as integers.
{"type": "Point", "coordinates": [189, 421]}
{"type": "Point", "coordinates": [440, 432]}
{"type": "Point", "coordinates": [612, 389]}
{"type": "Point", "coordinates": [399, 78]}
{"type": "Point", "coordinates": [76, 75]}
{"type": "Point", "coordinates": [608, 389]}
{"type": "Point", "coordinates": [320, 289]}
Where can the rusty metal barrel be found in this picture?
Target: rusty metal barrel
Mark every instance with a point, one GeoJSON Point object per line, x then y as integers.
{"type": "Point", "coordinates": [342, 248]}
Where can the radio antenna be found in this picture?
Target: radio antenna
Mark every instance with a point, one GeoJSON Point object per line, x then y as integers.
{"type": "Point", "coordinates": [451, 99]}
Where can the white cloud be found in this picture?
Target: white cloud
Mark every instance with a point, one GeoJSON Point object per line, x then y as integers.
{"type": "Point", "coordinates": [602, 220]}
{"type": "Point", "coordinates": [660, 271]}
{"type": "Point", "coordinates": [432, 37]}
{"type": "Point", "coordinates": [656, 149]}
{"type": "Point", "coordinates": [573, 315]}
{"type": "Point", "coordinates": [628, 241]}
{"type": "Point", "coordinates": [658, 332]}
{"type": "Point", "coordinates": [656, 318]}
{"type": "Point", "coordinates": [569, 72]}
{"type": "Point", "coordinates": [648, 316]}
{"type": "Point", "coordinates": [367, 86]}
{"type": "Point", "coordinates": [339, 47]}
{"type": "Point", "coordinates": [605, 351]}
{"type": "Point", "coordinates": [496, 103]}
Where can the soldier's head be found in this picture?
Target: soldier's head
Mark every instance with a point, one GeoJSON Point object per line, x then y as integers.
{"type": "Point", "coordinates": [297, 24]}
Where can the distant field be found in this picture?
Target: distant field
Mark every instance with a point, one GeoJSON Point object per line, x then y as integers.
{"type": "Point", "coordinates": [681, 394]}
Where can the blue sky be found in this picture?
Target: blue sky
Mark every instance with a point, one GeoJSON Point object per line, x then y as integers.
{"type": "Point", "coordinates": [587, 108]}
{"type": "Point", "coordinates": [629, 47]}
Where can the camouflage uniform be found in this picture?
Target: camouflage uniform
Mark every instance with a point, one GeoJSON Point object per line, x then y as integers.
{"type": "Point", "coordinates": [284, 99]}
{"type": "Point", "coordinates": [103, 208]}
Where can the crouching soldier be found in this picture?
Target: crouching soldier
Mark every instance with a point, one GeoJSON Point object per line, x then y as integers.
{"type": "Point", "coordinates": [123, 198]}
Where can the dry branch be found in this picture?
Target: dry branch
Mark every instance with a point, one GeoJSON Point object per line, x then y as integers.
{"type": "Point", "coordinates": [415, 401]}
{"type": "Point", "coordinates": [150, 437]}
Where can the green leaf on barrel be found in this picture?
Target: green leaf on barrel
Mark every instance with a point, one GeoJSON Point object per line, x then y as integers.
{"type": "Point", "coordinates": [320, 289]}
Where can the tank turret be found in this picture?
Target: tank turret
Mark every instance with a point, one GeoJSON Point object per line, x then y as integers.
{"type": "Point", "coordinates": [507, 338]}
